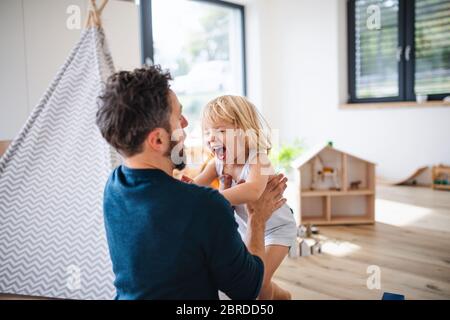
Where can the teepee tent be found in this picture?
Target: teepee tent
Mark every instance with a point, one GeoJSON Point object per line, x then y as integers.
{"type": "Point", "coordinates": [52, 238]}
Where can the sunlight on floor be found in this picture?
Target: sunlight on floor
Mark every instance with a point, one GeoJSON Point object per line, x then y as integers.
{"type": "Point", "coordinates": [336, 247]}
{"type": "Point", "coordinates": [339, 249]}
{"type": "Point", "coordinates": [398, 213]}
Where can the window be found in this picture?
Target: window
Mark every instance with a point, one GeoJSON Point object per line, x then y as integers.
{"type": "Point", "coordinates": [432, 47]}
{"type": "Point", "coordinates": [202, 44]}
{"type": "Point", "coordinates": [398, 49]}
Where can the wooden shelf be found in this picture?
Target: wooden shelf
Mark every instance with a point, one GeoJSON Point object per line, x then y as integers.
{"type": "Point", "coordinates": [345, 206]}
{"type": "Point", "coordinates": [349, 220]}
{"type": "Point", "coordinates": [337, 220]}
{"type": "Point", "coordinates": [321, 193]}
{"type": "Point", "coordinates": [314, 220]}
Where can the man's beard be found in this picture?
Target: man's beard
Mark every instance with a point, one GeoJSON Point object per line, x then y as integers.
{"type": "Point", "coordinates": [177, 155]}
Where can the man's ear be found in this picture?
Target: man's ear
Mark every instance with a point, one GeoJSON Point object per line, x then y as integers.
{"type": "Point", "coordinates": [157, 139]}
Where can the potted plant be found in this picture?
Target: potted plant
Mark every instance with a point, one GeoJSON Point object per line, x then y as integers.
{"type": "Point", "coordinates": [283, 156]}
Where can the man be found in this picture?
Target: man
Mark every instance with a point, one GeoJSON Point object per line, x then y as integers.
{"type": "Point", "coordinates": [169, 239]}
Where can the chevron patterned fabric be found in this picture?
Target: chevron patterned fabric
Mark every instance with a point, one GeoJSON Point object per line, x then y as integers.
{"type": "Point", "coordinates": [52, 237]}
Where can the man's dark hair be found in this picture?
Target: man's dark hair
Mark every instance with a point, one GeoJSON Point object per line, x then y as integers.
{"type": "Point", "coordinates": [132, 105]}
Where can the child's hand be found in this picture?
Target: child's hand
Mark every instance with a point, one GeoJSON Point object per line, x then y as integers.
{"type": "Point", "coordinates": [225, 182]}
{"type": "Point", "coordinates": [186, 179]}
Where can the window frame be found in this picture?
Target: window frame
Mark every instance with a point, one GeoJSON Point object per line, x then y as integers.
{"type": "Point", "coordinates": [406, 68]}
{"type": "Point", "coordinates": [146, 26]}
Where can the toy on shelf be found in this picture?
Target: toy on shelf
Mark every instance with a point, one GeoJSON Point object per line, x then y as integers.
{"type": "Point", "coordinates": [321, 173]}
{"type": "Point", "coordinates": [354, 185]}
{"type": "Point", "coordinates": [441, 177]}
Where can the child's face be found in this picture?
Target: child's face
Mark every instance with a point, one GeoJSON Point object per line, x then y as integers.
{"type": "Point", "coordinates": [222, 139]}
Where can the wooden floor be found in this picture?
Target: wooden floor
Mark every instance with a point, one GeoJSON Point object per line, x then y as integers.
{"type": "Point", "coordinates": [410, 243]}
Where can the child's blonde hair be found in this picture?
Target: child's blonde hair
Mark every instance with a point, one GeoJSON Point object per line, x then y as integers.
{"type": "Point", "coordinates": [243, 114]}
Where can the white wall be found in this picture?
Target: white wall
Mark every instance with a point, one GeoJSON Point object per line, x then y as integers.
{"type": "Point", "coordinates": [36, 42]}
{"type": "Point", "coordinates": [302, 80]}
{"type": "Point", "coordinates": [13, 84]}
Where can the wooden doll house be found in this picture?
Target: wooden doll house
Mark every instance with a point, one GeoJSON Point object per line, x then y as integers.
{"type": "Point", "coordinates": [335, 188]}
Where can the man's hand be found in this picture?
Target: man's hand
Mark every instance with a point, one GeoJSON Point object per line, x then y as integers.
{"type": "Point", "coordinates": [259, 212]}
{"type": "Point", "coordinates": [270, 200]}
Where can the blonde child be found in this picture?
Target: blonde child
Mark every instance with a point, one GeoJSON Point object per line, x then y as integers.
{"type": "Point", "coordinates": [234, 131]}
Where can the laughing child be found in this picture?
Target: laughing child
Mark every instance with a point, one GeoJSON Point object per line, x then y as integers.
{"type": "Point", "coordinates": [234, 132]}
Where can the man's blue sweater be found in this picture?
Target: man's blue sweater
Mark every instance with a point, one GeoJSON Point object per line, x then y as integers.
{"type": "Point", "coordinates": [172, 240]}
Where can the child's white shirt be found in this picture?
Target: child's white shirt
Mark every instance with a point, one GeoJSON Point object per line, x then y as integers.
{"type": "Point", "coordinates": [281, 228]}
